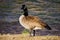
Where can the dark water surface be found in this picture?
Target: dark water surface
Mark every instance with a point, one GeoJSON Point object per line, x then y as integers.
{"type": "Point", "coordinates": [48, 11]}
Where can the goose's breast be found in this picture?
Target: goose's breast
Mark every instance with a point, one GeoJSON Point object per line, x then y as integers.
{"type": "Point", "coordinates": [23, 22]}
{"type": "Point", "coordinates": [25, 25]}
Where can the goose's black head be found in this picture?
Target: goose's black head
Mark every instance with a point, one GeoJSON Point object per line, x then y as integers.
{"type": "Point", "coordinates": [23, 6]}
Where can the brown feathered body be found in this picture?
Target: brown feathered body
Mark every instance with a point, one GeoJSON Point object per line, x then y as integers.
{"type": "Point", "coordinates": [31, 22]}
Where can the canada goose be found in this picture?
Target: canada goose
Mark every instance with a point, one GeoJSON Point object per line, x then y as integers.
{"type": "Point", "coordinates": [31, 22]}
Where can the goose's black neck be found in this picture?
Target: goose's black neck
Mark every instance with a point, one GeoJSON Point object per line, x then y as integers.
{"type": "Point", "coordinates": [25, 11]}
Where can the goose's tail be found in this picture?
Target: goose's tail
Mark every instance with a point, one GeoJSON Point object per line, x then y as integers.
{"type": "Point", "coordinates": [47, 27]}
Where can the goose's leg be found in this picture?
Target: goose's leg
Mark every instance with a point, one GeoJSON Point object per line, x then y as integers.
{"type": "Point", "coordinates": [30, 32]}
{"type": "Point", "coordinates": [33, 32]}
